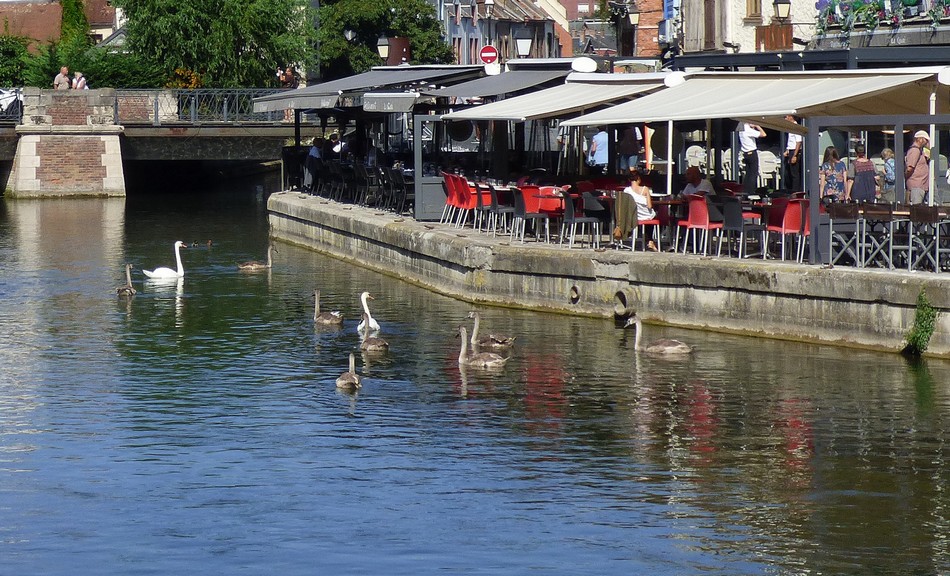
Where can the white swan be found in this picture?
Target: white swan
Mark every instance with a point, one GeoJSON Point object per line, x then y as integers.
{"type": "Point", "coordinates": [326, 318]}
{"type": "Point", "coordinates": [350, 380]}
{"type": "Point", "coordinates": [661, 347]}
{"type": "Point", "coordinates": [494, 341]}
{"type": "Point", "coordinates": [254, 266]}
{"type": "Point", "coordinates": [478, 359]}
{"type": "Point", "coordinates": [165, 273]}
{"type": "Point", "coordinates": [128, 289]}
{"type": "Point", "coordinates": [368, 319]}
{"type": "Point", "coordinates": [371, 343]}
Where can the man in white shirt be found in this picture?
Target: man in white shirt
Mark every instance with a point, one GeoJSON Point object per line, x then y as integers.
{"type": "Point", "coordinates": [748, 133]}
{"type": "Point", "coordinates": [793, 159]}
{"type": "Point", "coordinates": [695, 183]}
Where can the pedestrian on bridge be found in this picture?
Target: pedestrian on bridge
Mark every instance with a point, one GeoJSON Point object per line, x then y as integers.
{"type": "Point", "coordinates": [62, 81]}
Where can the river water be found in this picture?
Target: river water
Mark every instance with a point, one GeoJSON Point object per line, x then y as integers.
{"type": "Point", "coordinates": [196, 426]}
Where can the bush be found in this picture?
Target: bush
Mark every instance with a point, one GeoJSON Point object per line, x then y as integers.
{"type": "Point", "coordinates": [925, 320]}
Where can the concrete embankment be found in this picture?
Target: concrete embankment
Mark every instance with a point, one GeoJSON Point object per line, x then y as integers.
{"type": "Point", "coordinates": [841, 305]}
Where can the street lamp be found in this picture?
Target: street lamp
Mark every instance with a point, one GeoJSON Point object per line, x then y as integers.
{"type": "Point", "coordinates": [783, 9]}
{"type": "Point", "coordinates": [382, 46]}
{"type": "Point", "coordinates": [349, 35]}
{"type": "Point", "coordinates": [523, 43]}
{"type": "Point", "coordinates": [489, 9]}
{"type": "Point", "coordinates": [633, 15]}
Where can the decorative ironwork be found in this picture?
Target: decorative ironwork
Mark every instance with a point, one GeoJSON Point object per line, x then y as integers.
{"type": "Point", "coordinates": [192, 106]}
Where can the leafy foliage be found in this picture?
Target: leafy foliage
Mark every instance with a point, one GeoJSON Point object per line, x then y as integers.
{"type": "Point", "coordinates": [370, 19]}
{"type": "Point", "coordinates": [925, 320]}
{"type": "Point", "coordinates": [13, 56]}
{"type": "Point", "coordinates": [228, 43]}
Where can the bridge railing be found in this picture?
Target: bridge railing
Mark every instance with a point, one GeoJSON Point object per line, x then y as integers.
{"type": "Point", "coordinates": [11, 105]}
{"type": "Point", "coordinates": [177, 106]}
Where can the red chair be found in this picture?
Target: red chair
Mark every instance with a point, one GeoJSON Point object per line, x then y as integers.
{"type": "Point", "coordinates": [451, 198]}
{"type": "Point", "coordinates": [788, 223]}
{"type": "Point", "coordinates": [467, 202]}
{"type": "Point", "coordinates": [698, 219]}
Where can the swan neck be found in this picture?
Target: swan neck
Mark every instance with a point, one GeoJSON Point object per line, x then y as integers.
{"type": "Point", "coordinates": [365, 304]}
{"type": "Point", "coordinates": [464, 351]}
{"type": "Point", "coordinates": [352, 363]}
{"type": "Point", "coordinates": [475, 330]}
{"type": "Point", "coordinates": [181, 269]}
{"type": "Point", "coordinates": [128, 274]}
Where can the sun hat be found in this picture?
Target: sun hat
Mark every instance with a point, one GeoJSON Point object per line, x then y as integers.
{"type": "Point", "coordinates": [922, 134]}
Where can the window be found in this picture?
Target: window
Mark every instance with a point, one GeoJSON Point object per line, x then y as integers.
{"type": "Point", "coordinates": [753, 8]}
{"type": "Point", "coordinates": [583, 8]}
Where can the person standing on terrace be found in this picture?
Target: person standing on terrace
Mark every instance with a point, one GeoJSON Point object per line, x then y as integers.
{"type": "Point", "coordinates": [917, 169]}
{"type": "Point", "coordinates": [748, 133]}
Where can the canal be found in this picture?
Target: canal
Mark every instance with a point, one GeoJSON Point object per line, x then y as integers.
{"type": "Point", "coordinates": [196, 425]}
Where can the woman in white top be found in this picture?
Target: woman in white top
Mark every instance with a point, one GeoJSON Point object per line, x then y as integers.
{"type": "Point", "coordinates": [639, 190]}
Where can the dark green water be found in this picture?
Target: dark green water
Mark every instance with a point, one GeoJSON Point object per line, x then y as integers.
{"type": "Point", "coordinates": [197, 428]}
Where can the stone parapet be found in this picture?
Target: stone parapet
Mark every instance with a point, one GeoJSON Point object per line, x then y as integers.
{"type": "Point", "coordinates": [68, 145]}
{"type": "Point", "coordinates": [871, 309]}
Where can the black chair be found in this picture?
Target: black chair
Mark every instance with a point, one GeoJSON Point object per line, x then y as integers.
{"type": "Point", "coordinates": [844, 233]}
{"type": "Point", "coordinates": [403, 190]}
{"type": "Point", "coordinates": [522, 216]}
{"type": "Point", "coordinates": [592, 223]}
{"type": "Point", "coordinates": [734, 223]}
{"type": "Point", "coordinates": [496, 210]}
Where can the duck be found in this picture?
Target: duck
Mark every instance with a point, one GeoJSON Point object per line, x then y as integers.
{"type": "Point", "coordinates": [254, 266]}
{"type": "Point", "coordinates": [664, 346]}
{"type": "Point", "coordinates": [126, 290]}
{"type": "Point", "coordinates": [196, 244]}
{"type": "Point", "coordinates": [371, 343]}
{"type": "Point", "coordinates": [350, 380]}
{"type": "Point", "coordinates": [334, 318]}
{"type": "Point", "coordinates": [478, 359]}
{"type": "Point", "coordinates": [166, 273]}
{"type": "Point", "coordinates": [368, 319]}
{"type": "Point", "coordinates": [492, 341]}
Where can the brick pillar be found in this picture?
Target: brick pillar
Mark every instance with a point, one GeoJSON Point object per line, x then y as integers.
{"type": "Point", "coordinates": [68, 145]}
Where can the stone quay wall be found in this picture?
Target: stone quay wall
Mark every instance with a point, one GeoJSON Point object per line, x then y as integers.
{"type": "Point", "coordinates": [842, 306]}
{"type": "Point", "coordinates": [68, 145]}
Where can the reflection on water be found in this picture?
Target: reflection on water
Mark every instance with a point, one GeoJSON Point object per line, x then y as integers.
{"type": "Point", "coordinates": [198, 423]}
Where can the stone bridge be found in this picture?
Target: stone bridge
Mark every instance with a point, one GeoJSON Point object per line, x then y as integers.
{"type": "Point", "coordinates": [74, 142]}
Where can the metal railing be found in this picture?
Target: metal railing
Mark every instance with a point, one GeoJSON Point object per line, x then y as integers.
{"type": "Point", "coordinates": [11, 106]}
{"type": "Point", "coordinates": [176, 106]}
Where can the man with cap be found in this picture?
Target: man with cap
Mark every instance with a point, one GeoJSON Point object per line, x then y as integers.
{"type": "Point", "coordinates": [917, 169]}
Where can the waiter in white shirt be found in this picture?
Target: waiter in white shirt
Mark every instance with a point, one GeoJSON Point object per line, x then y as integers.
{"type": "Point", "coordinates": [793, 159]}
{"type": "Point", "coordinates": [748, 133]}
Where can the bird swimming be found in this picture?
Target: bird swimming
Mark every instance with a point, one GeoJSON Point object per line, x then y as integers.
{"type": "Point", "coordinates": [334, 318]}
{"type": "Point", "coordinates": [368, 319]}
{"type": "Point", "coordinates": [255, 266]}
{"type": "Point", "coordinates": [478, 359]}
{"type": "Point", "coordinates": [165, 273]}
{"type": "Point", "coordinates": [492, 341]}
{"type": "Point", "coordinates": [350, 380]}
{"type": "Point", "coordinates": [128, 289]}
{"type": "Point", "coordinates": [371, 343]}
{"type": "Point", "coordinates": [664, 346]}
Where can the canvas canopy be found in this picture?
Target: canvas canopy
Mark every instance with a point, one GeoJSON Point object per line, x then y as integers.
{"type": "Point", "coordinates": [579, 93]}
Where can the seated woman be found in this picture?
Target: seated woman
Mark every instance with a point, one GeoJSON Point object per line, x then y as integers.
{"type": "Point", "coordinates": [634, 205]}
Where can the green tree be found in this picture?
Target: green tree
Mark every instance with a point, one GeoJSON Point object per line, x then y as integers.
{"type": "Point", "coordinates": [13, 58]}
{"type": "Point", "coordinates": [370, 19]}
{"type": "Point", "coordinates": [228, 43]}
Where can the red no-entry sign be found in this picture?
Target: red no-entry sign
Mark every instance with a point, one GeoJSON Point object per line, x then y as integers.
{"type": "Point", "coordinates": [488, 54]}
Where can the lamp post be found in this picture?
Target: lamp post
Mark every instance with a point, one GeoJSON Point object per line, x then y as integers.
{"type": "Point", "coordinates": [489, 11]}
{"type": "Point", "coordinates": [523, 41]}
{"type": "Point", "coordinates": [382, 47]}
{"type": "Point", "coordinates": [783, 9]}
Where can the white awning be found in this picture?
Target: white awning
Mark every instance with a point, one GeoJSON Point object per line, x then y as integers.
{"type": "Point", "coordinates": [772, 95]}
{"type": "Point", "coordinates": [558, 101]}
